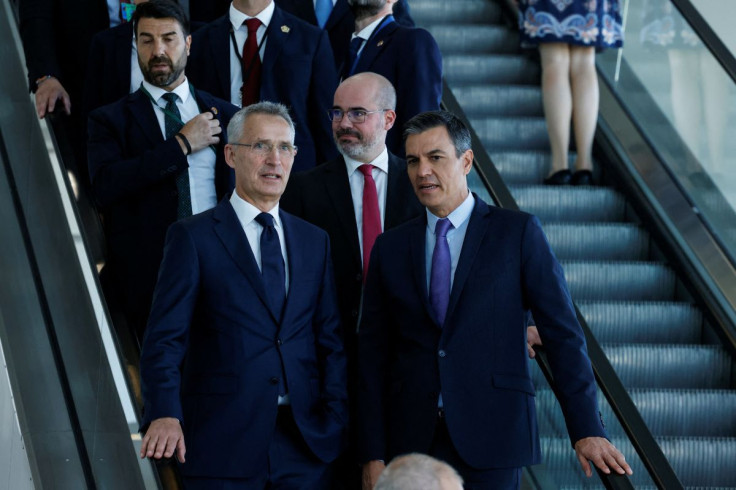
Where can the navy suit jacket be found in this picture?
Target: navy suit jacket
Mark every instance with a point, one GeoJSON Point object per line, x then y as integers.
{"type": "Point", "coordinates": [214, 350]}
{"type": "Point", "coordinates": [297, 72]}
{"type": "Point", "coordinates": [410, 59]}
{"type": "Point", "coordinates": [322, 196]}
{"type": "Point", "coordinates": [478, 360]}
{"type": "Point", "coordinates": [133, 172]}
{"type": "Point", "coordinates": [108, 74]}
{"type": "Point", "coordinates": [340, 24]}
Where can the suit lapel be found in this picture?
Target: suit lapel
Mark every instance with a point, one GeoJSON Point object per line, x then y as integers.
{"type": "Point", "coordinates": [401, 203]}
{"type": "Point", "coordinates": [141, 111]}
{"type": "Point", "coordinates": [417, 245]}
{"type": "Point", "coordinates": [478, 226]}
{"type": "Point", "coordinates": [232, 236]}
{"type": "Point", "coordinates": [278, 33]}
{"type": "Point", "coordinates": [337, 186]}
{"type": "Point", "coordinates": [374, 46]}
{"type": "Point", "coordinates": [224, 175]}
{"type": "Point", "coordinates": [220, 48]}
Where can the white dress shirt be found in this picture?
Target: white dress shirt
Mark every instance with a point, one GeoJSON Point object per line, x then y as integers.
{"type": "Point", "coordinates": [202, 162]}
{"type": "Point", "coordinates": [247, 213]}
{"type": "Point", "coordinates": [366, 33]}
{"type": "Point", "coordinates": [237, 19]}
{"type": "Point", "coordinates": [356, 178]}
{"type": "Point", "coordinates": [314, 2]}
{"type": "Point", "coordinates": [113, 12]}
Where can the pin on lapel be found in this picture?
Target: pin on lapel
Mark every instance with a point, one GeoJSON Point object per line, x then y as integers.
{"type": "Point", "coordinates": [214, 110]}
{"type": "Point", "coordinates": [380, 43]}
{"type": "Point", "coordinates": [285, 29]}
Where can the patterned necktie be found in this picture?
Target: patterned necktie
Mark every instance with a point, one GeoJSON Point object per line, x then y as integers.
{"type": "Point", "coordinates": [371, 215]}
{"type": "Point", "coordinates": [172, 125]}
{"type": "Point", "coordinates": [272, 264]}
{"type": "Point", "coordinates": [322, 9]}
{"type": "Point", "coordinates": [355, 45]}
{"type": "Point", "coordinates": [251, 65]}
{"type": "Point", "coordinates": [439, 279]}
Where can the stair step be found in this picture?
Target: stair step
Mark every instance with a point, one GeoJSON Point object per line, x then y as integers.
{"type": "Point", "coordinates": [525, 167]}
{"type": "Point", "coordinates": [500, 101]}
{"type": "Point", "coordinates": [571, 204]}
{"type": "Point", "coordinates": [617, 281]}
{"type": "Point", "coordinates": [474, 39]}
{"type": "Point", "coordinates": [598, 241]}
{"type": "Point", "coordinates": [493, 69]}
{"type": "Point", "coordinates": [511, 133]}
{"type": "Point", "coordinates": [427, 12]}
{"type": "Point", "coordinates": [650, 322]}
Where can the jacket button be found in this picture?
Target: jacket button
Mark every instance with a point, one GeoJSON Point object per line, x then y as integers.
{"type": "Point", "coordinates": [354, 313]}
{"type": "Point", "coordinates": [441, 353]}
{"type": "Point", "coordinates": [274, 380]}
{"type": "Point", "coordinates": [279, 342]}
{"type": "Point", "coordinates": [358, 277]}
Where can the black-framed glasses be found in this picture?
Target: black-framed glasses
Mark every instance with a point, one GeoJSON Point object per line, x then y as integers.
{"type": "Point", "coordinates": [264, 148]}
{"type": "Point", "coordinates": [354, 115]}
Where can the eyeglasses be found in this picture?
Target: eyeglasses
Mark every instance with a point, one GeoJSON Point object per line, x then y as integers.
{"type": "Point", "coordinates": [264, 148]}
{"type": "Point", "coordinates": [354, 116]}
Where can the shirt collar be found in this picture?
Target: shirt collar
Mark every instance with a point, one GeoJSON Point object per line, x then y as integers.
{"type": "Point", "coordinates": [457, 217]}
{"type": "Point", "coordinates": [237, 17]}
{"type": "Point", "coordinates": [380, 162]}
{"type": "Point", "coordinates": [367, 31]}
{"type": "Point", "coordinates": [157, 92]}
{"type": "Point", "coordinates": [247, 212]}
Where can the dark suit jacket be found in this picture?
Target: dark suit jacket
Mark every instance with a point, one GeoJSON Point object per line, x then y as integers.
{"type": "Point", "coordinates": [296, 72]}
{"type": "Point", "coordinates": [108, 76]}
{"type": "Point", "coordinates": [214, 350]}
{"type": "Point", "coordinates": [133, 173]}
{"type": "Point", "coordinates": [341, 22]}
{"type": "Point", "coordinates": [410, 59]}
{"type": "Point", "coordinates": [322, 197]}
{"type": "Point", "coordinates": [478, 360]}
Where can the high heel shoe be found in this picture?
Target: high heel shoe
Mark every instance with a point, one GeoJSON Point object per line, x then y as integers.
{"type": "Point", "coordinates": [561, 177]}
{"type": "Point", "coordinates": [582, 177]}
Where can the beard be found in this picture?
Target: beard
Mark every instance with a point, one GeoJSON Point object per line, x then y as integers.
{"type": "Point", "coordinates": [365, 8]}
{"type": "Point", "coordinates": [359, 148]}
{"type": "Point", "coordinates": [162, 78]}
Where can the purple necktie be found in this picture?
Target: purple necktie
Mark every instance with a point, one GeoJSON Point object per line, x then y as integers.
{"type": "Point", "coordinates": [439, 278]}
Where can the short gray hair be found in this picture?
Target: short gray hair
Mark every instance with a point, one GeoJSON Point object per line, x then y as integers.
{"type": "Point", "coordinates": [235, 127]}
{"type": "Point", "coordinates": [415, 472]}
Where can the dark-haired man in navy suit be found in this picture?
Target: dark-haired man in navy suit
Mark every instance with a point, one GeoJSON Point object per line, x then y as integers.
{"type": "Point", "coordinates": [408, 57]}
{"type": "Point", "coordinates": [442, 341]}
{"type": "Point", "coordinates": [340, 22]}
{"type": "Point", "coordinates": [243, 366]}
{"type": "Point", "coordinates": [290, 63]}
{"type": "Point", "coordinates": [152, 160]}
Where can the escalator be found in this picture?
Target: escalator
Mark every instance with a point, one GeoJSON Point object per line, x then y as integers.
{"type": "Point", "coordinates": [640, 307]}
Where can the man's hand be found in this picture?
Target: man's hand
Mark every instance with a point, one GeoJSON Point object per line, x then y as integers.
{"type": "Point", "coordinates": [47, 94]}
{"type": "Point", "coordinates": [603, 454]}
{"type": "Point", "coordinates": [371, 471]}
{"type": "Point", "coordinates": [201, 131]}
{"type": "Point", "coordinates": [532, 339]}
{"type": "Point", "coordinates": [163, 437]}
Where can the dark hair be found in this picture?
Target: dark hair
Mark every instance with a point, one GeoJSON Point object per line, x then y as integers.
{"type": "Point", "coordinates": [161, 9]}
{"type": "Point", "coordinates": [425, 121]}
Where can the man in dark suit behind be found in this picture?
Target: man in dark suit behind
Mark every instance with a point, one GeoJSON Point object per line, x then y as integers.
{"type": "Point", "coordinates": [147, 164]}
{"type": "Point", "coordinates": [290, 63]}
{"type": "Point", "coordinates": [341, 22]}
{"type": "Point", "coordinates": [243, 357]}
{"type": "Point", "coordinates": [408, 57]}
{"type": "Point", "coordinates": [442, 344]}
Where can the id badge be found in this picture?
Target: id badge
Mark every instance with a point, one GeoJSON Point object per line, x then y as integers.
{"type": "Point", "coordinates": [126, 10]}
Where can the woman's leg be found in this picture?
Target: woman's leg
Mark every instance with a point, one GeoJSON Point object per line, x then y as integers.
{"type": "Point", "coordinates": [584, 84]}
{"type": "Point", "coordinates": [557, 100]}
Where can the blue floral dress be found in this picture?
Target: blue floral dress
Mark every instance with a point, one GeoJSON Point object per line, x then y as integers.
{"type": "Point", "coordinates": [595, 23]}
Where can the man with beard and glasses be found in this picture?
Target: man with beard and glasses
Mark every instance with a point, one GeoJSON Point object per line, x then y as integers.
{"type": "Point", "coordinates": [408, 57]}
{"type": "Point", "coordinates": [354, 198]}
{"type": "Point", "coordinates": [155, 156]}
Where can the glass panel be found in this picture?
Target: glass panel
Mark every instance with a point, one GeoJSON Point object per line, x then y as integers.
{"type": "Point", "coordinates": [685, 104]}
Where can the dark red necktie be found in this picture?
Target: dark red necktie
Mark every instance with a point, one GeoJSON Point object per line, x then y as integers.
{"type": "Point", "coordinates": [371, 214]}
{"type": "Point", "coordinates": [251, 65]}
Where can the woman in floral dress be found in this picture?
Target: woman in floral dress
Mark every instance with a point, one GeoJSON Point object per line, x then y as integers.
{"type": "Point", "coordinates": [567, 33]}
